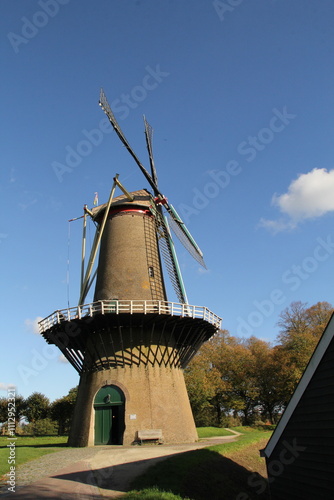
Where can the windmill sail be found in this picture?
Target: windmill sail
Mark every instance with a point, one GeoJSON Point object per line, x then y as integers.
{"type": "Point", "coordinates": [149, 135]}
{"type": "Point", "coordinates": [166, 246]}
{"type": "Point", "coordinates": [184, 235]}
{"type": "Point", "coordinates": [175, 221]}
{"type": "Point", "coordinates": [103, 102]}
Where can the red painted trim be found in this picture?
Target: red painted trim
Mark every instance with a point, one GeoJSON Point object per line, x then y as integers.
{"type": "Point", "coordinates": [124, 209]}
{"type": "Point", "coordinates": [136, 210]}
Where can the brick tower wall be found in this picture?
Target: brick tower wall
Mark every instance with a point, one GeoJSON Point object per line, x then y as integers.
{"type": "Point", "coordinates": [155, 398]}
{"type": "Point", "coordinates": [129, 264]}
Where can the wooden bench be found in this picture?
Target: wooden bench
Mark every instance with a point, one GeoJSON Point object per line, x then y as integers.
{"type": "Point", "coordinates": [150, 435]}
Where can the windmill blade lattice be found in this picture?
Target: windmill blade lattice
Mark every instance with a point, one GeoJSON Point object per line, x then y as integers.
{"type": "Point", "coordinates": [184, 236]}
{"type": "Point", "coordinates": [169, 256]}
{"type": "Point", "coordinates": [149, 135]}
{"type": "Point", "coordinates": [165, 242]}
{"type": "Point", "coordinates": [103, 102]}
{"type": "Point", "coordinates": [175, 221]}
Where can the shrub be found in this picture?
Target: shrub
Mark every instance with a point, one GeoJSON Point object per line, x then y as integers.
{"type": "Point", "coordinates": [43, 427]}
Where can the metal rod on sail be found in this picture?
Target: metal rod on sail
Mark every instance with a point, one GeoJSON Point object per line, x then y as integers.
{"type": "Point", "coordinates": [103, 102]}
{"type": "Point", "coordinates": [148, 136]}
{"type": "Point", "coordinates": [83, 251]}
{"type": "Point", "coordinates": [183, 292]}
{"type": "Point", "coordinates": [182, 225]}
{"type": "Point", "coordinates": [177, 224]}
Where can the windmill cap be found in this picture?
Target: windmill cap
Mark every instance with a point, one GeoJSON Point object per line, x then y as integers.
{"type": "Point", "coordinates": [142, 199]}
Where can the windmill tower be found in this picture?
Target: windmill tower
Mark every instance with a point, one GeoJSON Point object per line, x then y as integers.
{"type": "Point", "coordinates": [131, 344]}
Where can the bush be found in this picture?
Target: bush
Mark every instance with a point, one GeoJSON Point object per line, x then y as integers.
{"type": "Point", "coordinates": [232, 421]}
{"type": "Point", "coordinates": [152, 494]}
{"type": "Point", "coordinates": [43, 427]}
{"type": "Point", "coordinates": [264, 427]}
{"type": "Point", "coordinates": [205, 417]}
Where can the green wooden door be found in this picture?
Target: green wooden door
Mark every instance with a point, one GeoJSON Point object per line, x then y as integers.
{"type": "Point", "coordinates": [103, 425]}
{"type": "Point", "coordinates": [109, 406]}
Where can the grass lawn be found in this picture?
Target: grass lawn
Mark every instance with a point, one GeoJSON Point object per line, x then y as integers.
{"type": "Point", "coordinates": [153, 494]}
{"type": "Point", "coordinates": [227, 471]}
{"type": "Point", "coordinates": [28, 448]}
{"type": "Point", "coordinates": [206, 432]}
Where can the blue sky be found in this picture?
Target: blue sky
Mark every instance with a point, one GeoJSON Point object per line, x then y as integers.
{"type": "Point", "coordinates": [240, 96]}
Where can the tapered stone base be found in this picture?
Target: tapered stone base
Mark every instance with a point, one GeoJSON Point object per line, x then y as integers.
{"type": "Point", "coordinates": [155, 398]}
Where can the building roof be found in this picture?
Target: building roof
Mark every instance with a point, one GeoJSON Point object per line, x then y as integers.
{"type": "Point", "coordinates": [141, 198]}
{"type": "Point", "coordinates": [312, 366]}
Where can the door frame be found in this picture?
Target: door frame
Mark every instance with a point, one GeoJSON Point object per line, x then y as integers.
{"type": "Point", "coordinates": [110, 397]}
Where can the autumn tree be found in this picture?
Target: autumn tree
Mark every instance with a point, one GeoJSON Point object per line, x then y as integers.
{"type": "Point", "coordinates": [243, 377]}
{"type": "Point", "coordinates": [267, 375]}
{"type": "Point", "coordinates": [220, 381]}
{"type": "Point", "coordinates": [237, 368]}
{"type": "Point", "coordinates": [204, 384]}
{"type": "Point", "coordinates": [300, 330]}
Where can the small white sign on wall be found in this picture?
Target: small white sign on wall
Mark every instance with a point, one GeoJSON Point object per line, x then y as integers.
{"type": "Point", "coordinates": [133, 416]}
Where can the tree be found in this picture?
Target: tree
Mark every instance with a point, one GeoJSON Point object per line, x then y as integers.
{"type": "Point", "coordinates": [62, 411]}
{"type": "Point", "coordinates": [221, 381]}
{"type": "Point", "coordinates": [237, 367]}
{"type": "Point", "coordinates": [37, 407]}
{"type": "Point", "coordinates": [301, 329]}
{"type": "Point", "coordinates": [42, 427]}
{"type": "Point", "coordinates": [204, 384]}
{"type": "Point", "coordinates": [299, 322]}
{"type": "Point", "coordinates": [237, 376]}
{"type": "Point", "coordinates": [20, 406]}
{"type": "Point", "coordinates": [267, 373]}
{"type": "Point", "coordinates": [3, 410]}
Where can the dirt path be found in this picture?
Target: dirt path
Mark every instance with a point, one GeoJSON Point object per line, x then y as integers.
{"type": "Point", "coordinates": [115, 474]}
{"type": "Point", "coordinates": [93, 473]}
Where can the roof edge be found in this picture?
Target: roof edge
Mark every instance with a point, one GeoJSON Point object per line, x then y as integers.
{"type": "Point", "coordinates": [310, 369]}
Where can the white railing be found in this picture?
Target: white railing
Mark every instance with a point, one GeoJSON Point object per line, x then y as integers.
{"type": "Point", "coordinates": [130, 307]}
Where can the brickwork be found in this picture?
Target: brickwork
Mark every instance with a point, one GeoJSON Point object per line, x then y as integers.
{"type": "Point", "coordinates": [139, 355]}
{"type": "Point", "coordinates": [155, 398]}
{"type": "Point", "coordinates": [129, 264]}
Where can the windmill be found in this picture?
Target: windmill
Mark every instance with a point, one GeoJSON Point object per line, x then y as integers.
{"type": "Point", "coordinates": [131, 344]}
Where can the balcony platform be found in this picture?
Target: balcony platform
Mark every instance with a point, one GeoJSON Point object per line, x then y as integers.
{"type": "Point", "coordinates": [129, 332]}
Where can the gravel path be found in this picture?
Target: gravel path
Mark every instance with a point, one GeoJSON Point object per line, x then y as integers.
{"type": "Point", "coordinates": [48, 465]}
{"type": "Point", "coordinates": [108, 469]}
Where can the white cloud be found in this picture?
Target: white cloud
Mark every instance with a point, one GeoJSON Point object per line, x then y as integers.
{"type": "Point", "coordinates": [310, 195]}
{"type": "Point", "coordinates": [62, 359]}
{"type": "Point", "coordinates": [203, 270]}
{"type": "Point", "coordinates": [5, 387]}
{"type": "Point", "coordinates": [32, 324]}
{"type": "Point", "coordinates": [276, 226]}
{"type": "Point", "coordinates": [12, 175]}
